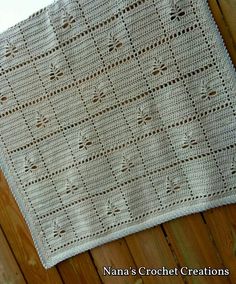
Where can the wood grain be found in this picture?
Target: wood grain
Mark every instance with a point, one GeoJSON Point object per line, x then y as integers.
{"type": "Point", "coordinates": [150, 249]}
{"type": "Point", "coordinates": [9, 269]}
{"type": "Point", "coordinates": [222, 224]}
{"type": "Point", "coordinates": [79, 269]}
{"type": "Point", "coordinates": [115, 254]}
{"type": "Point", "coordinates": [228, 10]}
{"type": "Point", "coordinates": [194, 248]}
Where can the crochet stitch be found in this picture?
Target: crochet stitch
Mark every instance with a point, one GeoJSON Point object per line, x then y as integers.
{"type": "Point", "coordinates": [115, 116]}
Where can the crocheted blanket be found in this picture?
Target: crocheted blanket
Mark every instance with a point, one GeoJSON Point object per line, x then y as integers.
{"type": "Point", "coordinates": [115, 116]}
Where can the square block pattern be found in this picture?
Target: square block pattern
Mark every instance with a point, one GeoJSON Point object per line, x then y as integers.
{"type": "Point", "coordinates": [115, 116]}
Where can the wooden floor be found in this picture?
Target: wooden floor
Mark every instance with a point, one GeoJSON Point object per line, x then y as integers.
{"type": "Point", "coordinates": [198, 240]}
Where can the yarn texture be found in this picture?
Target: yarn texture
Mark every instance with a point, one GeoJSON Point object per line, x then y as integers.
{"type": "Point", "coordinates": [115, 116]}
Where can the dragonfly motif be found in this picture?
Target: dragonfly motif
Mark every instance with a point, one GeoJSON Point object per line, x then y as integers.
{"type": "Point", "coordinates": [188, 141]}
{"type": "Point", "coordinates": [70, 188]}
{"type": "Point", "coordinates": [176, 12]}
{"type": "Point", "coordinates": [98, 95]}
{"type": "Point", "coordinates": [29, 165]}
{"type": "Point", "coordinates": [11, 49]}
{"type": "Point", "coordinates": [126, 165]}
{"type": "Point", "coordinates": [143, 118]}
{"type": "Point", "coordinates": [206, 91]}
{"type": "Point", "coordinates": [112, 209]}
{"type": "Point", "coordinates": [3, 99]}
{"type": "Point", "coordinates": [171, 185]}
{"type": "Point", "coordinates": [41, 120]}
{"type": "Point", "coordinates": [58, 231]}
{"type": "Point", "coordinates": [114, 43]}
{"type": "Point", "coordinates": [67, 20]}
{"type": "Point", "coordinates": [158, 67]}
{"type": "Point", "coordinates": [55, 72]}
{"type": "Point", "coordinates": [84, 142]}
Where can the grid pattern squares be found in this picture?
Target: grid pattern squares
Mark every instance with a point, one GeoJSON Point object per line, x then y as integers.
{"type": "Point", "coordinates": [114, 114]}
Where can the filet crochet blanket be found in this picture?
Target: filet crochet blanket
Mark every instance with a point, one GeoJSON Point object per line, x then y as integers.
{"type": "Point", "coordinates": [115, 116]}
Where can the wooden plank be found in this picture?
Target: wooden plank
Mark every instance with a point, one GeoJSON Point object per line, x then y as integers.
{"type": "Point", "coordinates": [221, 221]}
{"type": "Point", "coordinates": [79, 269]}
{"type": "Point", "coordinates": [220, 20]}
{"type": "Point", "coordinates": [9, 269]}
{"type": "Point", "coordinates": [192, 244]}
{"type": "Point", "coordinates": [228, 8]}
{"type": "Point", "coordinates": [149, 248]}
{"type": "Point", "coordinates": [115, 254]}
{"type": "Point", "coordinates": [222, 224]}
{"type": "Point", "coordinates": [20, 240]}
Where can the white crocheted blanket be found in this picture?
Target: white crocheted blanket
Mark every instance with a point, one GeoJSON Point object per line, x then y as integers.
{"type": "Point", "coordinates": [115, 116]}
